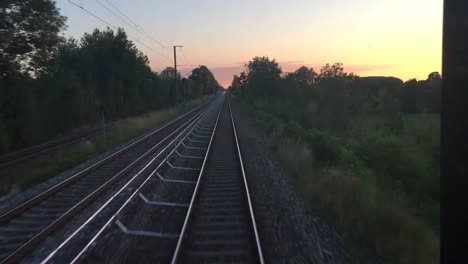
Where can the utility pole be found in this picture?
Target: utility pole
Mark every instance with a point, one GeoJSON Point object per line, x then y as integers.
{"type": "Point", "coordinates": [175, 73]}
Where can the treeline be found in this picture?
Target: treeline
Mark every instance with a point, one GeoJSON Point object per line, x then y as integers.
{"type": "Point", "coordinates": [366, 147]}
{"type": "Point", "coordinates": [50, 86]}
{"type": "Point", "coordinates": [334, 92]}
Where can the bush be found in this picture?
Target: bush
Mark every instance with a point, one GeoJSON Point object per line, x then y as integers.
{"type": "Point", "coordinates": [371, 220]}
{"type": "Point", "coordinates": [294, 130]}
{"type": "Point", "coordinates": [399, 163]}
{"type": "Point", "coordinates": [325, 147]}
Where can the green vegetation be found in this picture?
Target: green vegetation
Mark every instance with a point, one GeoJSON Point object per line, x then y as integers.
{"type": "Point", "coordinates": [50, 86]}
{"type": "Point", "coordinates": [124, 130]}
{"type": "Point", "coordinates": [366, 148]}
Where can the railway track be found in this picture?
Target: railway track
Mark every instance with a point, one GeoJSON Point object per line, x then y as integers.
{"type": "Point", "coordinates": [220, 224]}
{"type": "Point", "coordinates": [191, 204]}
{"type": "Point", "coordinates": [193, 207]}
{"type": "Point", "coordinates": [177, 168]}
{"type": "Point", "coordinates": [17, 157]}
{"type": "Point", "coordinates": [24, 227]}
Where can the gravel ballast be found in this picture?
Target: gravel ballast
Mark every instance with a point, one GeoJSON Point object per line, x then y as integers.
{"type": "Point", "coordinates": [289, 232]}
{"type": "Point", "coordinates": [10, 201]}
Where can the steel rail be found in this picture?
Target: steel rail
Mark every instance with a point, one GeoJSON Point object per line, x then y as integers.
{"type": "Point", "coordinates": [20, 252]}
{"type": "Point", "coordinates": [249, 201]}
{"type": "Point", "coordinates": [10, 159]}
{"type": "Point", "coordinates": [177, 251]}
{"type": "Point", "coordinates": [127, 201]}
{"type": "Point", "coordinates": [177, 255]}
{"type": "Point", "coordinates": [59, 186]}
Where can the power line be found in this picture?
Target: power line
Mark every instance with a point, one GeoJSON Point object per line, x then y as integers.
{"type": "Point", "coordinates": [114, 27]}
{"type": "Point", "coordinates": [112, 12]}
{"type": "Point", "coordinates": [188, 61]}
{"type": "Point", "coordinates": [118, 10]}
{"type": "Point", "coordinates": [135, 25]}
{"type": "Point", "coordinates": [185, 75]}
{"type": "Point", "coordinates": [185, 69]}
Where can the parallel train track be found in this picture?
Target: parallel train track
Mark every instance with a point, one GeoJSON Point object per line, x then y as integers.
{"type": "Point", "coordinates": [191, 204]}
{"type": "Point", "coordinates": [22, 228]}
{"type": "Point", "coordinates": [10, 159]}
{"type": "Point", "coordinates": [194, 207]}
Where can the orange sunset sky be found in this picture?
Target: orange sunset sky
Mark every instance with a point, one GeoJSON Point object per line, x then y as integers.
{"type": "Point", "coordinates": [401, 38]}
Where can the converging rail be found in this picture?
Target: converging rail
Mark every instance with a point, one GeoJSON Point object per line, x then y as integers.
{"type": "Point", "coordinates": [22, 228]}
{"type": "Point", "coordinates": [130, 217]}
{"type": "Point", "coordinates": [220, 224]}
{"type": "Point", "coordinates": [191, 204]}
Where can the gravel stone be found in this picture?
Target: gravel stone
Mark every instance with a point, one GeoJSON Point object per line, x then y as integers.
{"type": "Point", "coordinates": [289, 232]}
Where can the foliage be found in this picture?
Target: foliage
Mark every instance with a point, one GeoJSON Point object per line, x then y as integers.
{"type": "Point", "coordinates": [52, 86]}
{"type": "Point", "coordinates": [368, 214]}
{"type": "Point", "coordinates": [168, 74]}
{"type": "Point", "coordinates": [28, 34]}
{"type": "Point", "coordinates": [64, 159]}
{"type": "Point", "coordinates": [263, 78]}
{"type": "Point", "coordinates": [366, 147]}
{"type": "Point", "coordinates": [203, 81]}
{"type": "Point", "coordinates": [325, 147]}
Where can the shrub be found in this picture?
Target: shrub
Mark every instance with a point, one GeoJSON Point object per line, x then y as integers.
{"type": "Point", "coordinates": [294, 130]}
{"type": "Point", "coordinates": [348, 175]}
{"type": "Point", "coordinates": [325, 147]}
{"type": "Point", "coordinates": [367, 217]}
{"type": "Point", "coordinates": [397, 161]}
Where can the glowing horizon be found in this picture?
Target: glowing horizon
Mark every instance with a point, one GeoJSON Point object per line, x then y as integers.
{"type": "Point", "coordinates": [371, 38]}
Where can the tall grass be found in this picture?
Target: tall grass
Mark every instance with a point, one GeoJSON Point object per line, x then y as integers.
{"type": "Point", "coordinates": [350, 177]}
{"type": "Point", "coordinates": [69, 157]}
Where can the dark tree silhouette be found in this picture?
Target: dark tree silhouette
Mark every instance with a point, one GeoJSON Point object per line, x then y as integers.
{"type": "Point", "coordinates": [434, 76]}
{"type": "Point", "coordinates": [168, 74]}
{"type": "Point", "coordinates": [263, 78]}
{"type": "Point", "coordinates": [28, 34]}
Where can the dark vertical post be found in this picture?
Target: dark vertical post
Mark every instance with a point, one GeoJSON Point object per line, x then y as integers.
{"type": "Point", "coordinates": [175, 75]}
{"type": "Point", "coordinates": [454, 126]}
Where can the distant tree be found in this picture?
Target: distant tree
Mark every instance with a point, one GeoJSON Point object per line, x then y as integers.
{"type": "Point", "coordinates": [236, 81]}
{"type": "Point", "coordinates": [303, 76]}
{"type": "Point", "coordinates": [263, 78]}
{"type": "Point", "coordinates": [298, 87]}
{"type": "Point", "coordinates": [409, 97]}
{"type": "Point", "coordinates": [204, 80]}
{"type": "Point", "coordinates": [434, 76]}
{"type": "Point", "coordinates": [265, 66]}
{"type": "Point", "coordinates": [168, 74]}
{"type": "Point", "coordinates": [330, 71]}
{"type": "Point", "coordinates": [238, 84]}
{"type": "Point", "coordinates": [433, 93]}
{"type": "Point", "coordinates": [28, 34]}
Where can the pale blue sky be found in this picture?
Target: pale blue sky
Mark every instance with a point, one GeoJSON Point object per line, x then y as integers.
{"type": "Point", "coordinates": [385, 37]}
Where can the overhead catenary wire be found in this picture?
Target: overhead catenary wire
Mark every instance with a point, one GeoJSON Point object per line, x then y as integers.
{"type": "Point", "coordinates": [131, 24]}
{"type": "Point", "coordinates": [187, 73]}
{"type": "Point", "coordinates": [187, 60]}
{"type": "Point", "coordinates": [118, 10]}
{"type": "Point", "coordinates": [114, 27]}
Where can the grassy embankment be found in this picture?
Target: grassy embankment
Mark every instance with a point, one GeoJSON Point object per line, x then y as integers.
{"type": "Point", "coordinates": [381, 190]}
{"type": "Point", "coordinates": [69, 157]}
